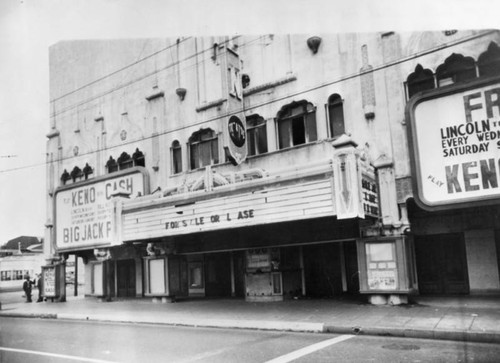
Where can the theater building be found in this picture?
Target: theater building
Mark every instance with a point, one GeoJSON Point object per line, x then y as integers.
{"type": "Point", "coordinates": [273, 167]}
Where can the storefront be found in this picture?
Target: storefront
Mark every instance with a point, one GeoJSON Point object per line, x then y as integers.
{"type": "Point", "coordinates": [86, 226]}
{"type": "Point", "coordinates": [266, 237]}
{"type": "Point", "coordinates": [455, 133]}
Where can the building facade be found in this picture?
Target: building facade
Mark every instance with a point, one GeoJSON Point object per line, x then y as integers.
{"type": "Point", "coordinates": [275, 166]}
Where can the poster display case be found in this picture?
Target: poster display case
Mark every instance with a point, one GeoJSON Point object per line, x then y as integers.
{"type": "Point", "coordinates": [52, 283]}
{"type": "Point", "coordinates": [386, 265]}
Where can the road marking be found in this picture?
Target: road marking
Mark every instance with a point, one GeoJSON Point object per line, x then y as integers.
{"type": "Point", "coordinates": [310, 349]}
{"type": "Point", "coordinates": [63, 356]}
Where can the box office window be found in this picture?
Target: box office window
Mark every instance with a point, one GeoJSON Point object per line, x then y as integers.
{"type": "Point", "coordinates": [296, 124]}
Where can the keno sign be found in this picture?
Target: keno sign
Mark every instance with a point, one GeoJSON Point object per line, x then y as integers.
{"type": "Point", "coordinates": [84, 213]}
{"type": "Point", "coordinates": [455, 141]}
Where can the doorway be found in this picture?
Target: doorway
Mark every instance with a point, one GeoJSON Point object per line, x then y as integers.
{"type": "Point", "coordinates": [218, 274]}
{"type": "Point", "coordinates": [125, 270]}
{"type": "Point", "coordinates": [441, 264]}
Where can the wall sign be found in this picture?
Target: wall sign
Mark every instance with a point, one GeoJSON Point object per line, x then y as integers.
{"type": "Point", "coordinates": [455, 142]}
{"type": "Point", "coordinates": [84, 213]}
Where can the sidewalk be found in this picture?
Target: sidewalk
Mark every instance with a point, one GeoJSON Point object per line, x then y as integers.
{"type": "Point", "coordinates": [475, 319]}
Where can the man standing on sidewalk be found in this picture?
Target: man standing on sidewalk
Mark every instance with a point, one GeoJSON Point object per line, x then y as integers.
{"type": "Point", "coordinates": [39, 287]}
{"type": "Point", "coordinates": [27, 288]}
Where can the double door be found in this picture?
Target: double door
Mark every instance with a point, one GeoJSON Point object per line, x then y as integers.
{"type": "Point", "coordinates": [441, 264]}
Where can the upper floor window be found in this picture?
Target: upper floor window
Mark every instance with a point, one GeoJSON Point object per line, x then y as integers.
{"type": "Point", "coordinates": [203, 149]}
{"type": "Point", "coordinates": [87, 170]}
{"type": "Point", "coordinates": [456, 68]}
{"type": "Point", "coordinates": [488, 63]}
{"type": "Point", "coordinates": [256, 135]}
{"type": "Point", "coordinates": [176, 152]}
{"type": "Point", "coordinates": [65, 177]}
{"type": "Point", "coordinates": [296, 124]}
{"type": "Point", "coordinates": [420, 80]}
{"type": "Point", "coordinates": [138, 158]}
{"type": "Point", "coordinates": [111, 165]}
{"type": "Point", "coordinates": [125, 161]}
{"type": "Point", "coordinates": [336, 115]}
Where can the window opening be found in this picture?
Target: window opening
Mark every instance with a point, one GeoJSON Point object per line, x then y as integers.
{"type": "Point", "coordinates": [204, 149]}
{"type": "Point", "coordinates": [176, 157]}
{"type": "Point", "coordinates": [87, 170]}
{"type": "Point", "coordinates": [456, 68]}
{"type": "Point", "coordinates": [297, 124]}
{"type": "Point", "coordinates": [489, 62]}
{"type": "Point", "coordinates": [111, 165]}
{"type": "Point", "coordinates": [336, 115]}
{"type": "Point", "coordinates": [138, 158]}
{"type": "Point", "coordinates": [76, 173]}
{"type": "Point", "coordinates": [256, 135]}
{"type": "Point", "coordinates": [125, 161]}
{"type": "Point", "coordinates": [420, 80]}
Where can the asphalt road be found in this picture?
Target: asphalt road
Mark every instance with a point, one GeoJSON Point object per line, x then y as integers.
{"type": "Point", "coordinates": [37, 340]}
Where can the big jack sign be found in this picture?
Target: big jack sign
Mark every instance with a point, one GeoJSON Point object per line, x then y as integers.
{"type": "Point", "coordinates": [84, 212]}
{"type": "Point", "coordinates": [454, 136]}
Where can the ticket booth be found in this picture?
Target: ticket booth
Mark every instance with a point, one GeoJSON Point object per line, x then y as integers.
{"type": "Point", "coordinates": [387, 269]}
{"type": "Point", "coordinates": [264, 281]}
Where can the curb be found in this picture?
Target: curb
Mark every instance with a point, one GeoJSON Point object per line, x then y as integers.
{"type": "Point", "coordinates": [299, 327]}
{"type": "Point", "coordinates": [436, 334]}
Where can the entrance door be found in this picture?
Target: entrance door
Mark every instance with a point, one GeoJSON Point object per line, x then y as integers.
{"type": "Point", "coordinates": [323, 270]}
{"type": "Point", "coordinates": [218, 275]}
{"type": "Point", "coordinates": [125, 270]}
{"type": "Point", "coordinates": [351, 267]}
{"type": "Point", "coordinates": [441, 264]}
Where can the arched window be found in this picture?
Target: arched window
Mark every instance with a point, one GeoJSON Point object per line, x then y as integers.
{"type": "Point", "coordinates": [138, 158]}
{"type": "Point", "coordinates": [336, 115]}
{"type": "Point", "coordinates": [296, 124]}
{"type": "Point", "coordinates": [125, 161]}
{"type": "Point", "coordinates": [176, 152]}
{"type": "Point", "coordinates": [87, 170]}
{"type": "Point", "coordinates": [420, 80]}
{"type": "Point", "coordinates": [456, 68]}
{"type": "Point", "coordinates": [111, 165]}
{"type": "Point", "coordinates": [203, 149]}
{"type": "Point", "coordinates": [256, 135]}
{"type": "Point", "coordinates": [65, 177]}
{"type": "Point", "coordinates": [76, 173]}
{"type": "Point", "coordinates": [488, 63]}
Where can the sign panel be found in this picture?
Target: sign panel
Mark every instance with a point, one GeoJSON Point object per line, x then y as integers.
{"type": "Point", "coordinates": [235, 132]}
{"type": "Point", "coordinates": [49, 281]}
{"type": "Point", "coordinates": [84, 214]}
{"type": "Point", "coordinates": [278, 203]}
{"type": "Point", "coordinates": [455, 137]}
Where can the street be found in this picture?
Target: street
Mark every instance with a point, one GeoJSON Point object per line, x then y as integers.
{"type": "Point", "coordinates": [39, 340]}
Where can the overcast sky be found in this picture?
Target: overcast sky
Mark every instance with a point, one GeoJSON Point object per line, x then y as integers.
{"type": "Point", "coordinates": [29, 27]}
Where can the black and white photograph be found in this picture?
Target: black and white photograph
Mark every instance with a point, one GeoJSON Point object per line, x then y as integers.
{"type": "Point", "coordinates": [249, 181]}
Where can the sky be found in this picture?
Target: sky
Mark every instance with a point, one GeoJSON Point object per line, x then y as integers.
{"type": "Point", "coordinates": [29, 27]}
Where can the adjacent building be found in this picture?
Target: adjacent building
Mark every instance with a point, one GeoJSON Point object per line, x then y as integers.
{"type": "Point", "coordinates": [269, 167]}
{"type": "Point", "coordinates": [20, 257]}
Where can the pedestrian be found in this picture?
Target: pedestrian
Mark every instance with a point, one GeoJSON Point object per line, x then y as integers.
{"type": "Point", "coordinates": [27, 288]}
{"type": "Point", "coordinates": [39, 287]}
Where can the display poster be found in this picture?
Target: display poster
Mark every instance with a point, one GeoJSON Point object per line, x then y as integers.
{"type": "Point", "coordinates": [258, 258]}
{"type": "Point", "coordinates": [456, 146]}
{"type": "Point", "coordinates": [49, 281]}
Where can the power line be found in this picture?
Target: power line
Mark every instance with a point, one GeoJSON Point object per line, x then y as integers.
{"type": "Point", "coordinates": [265, 103]}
